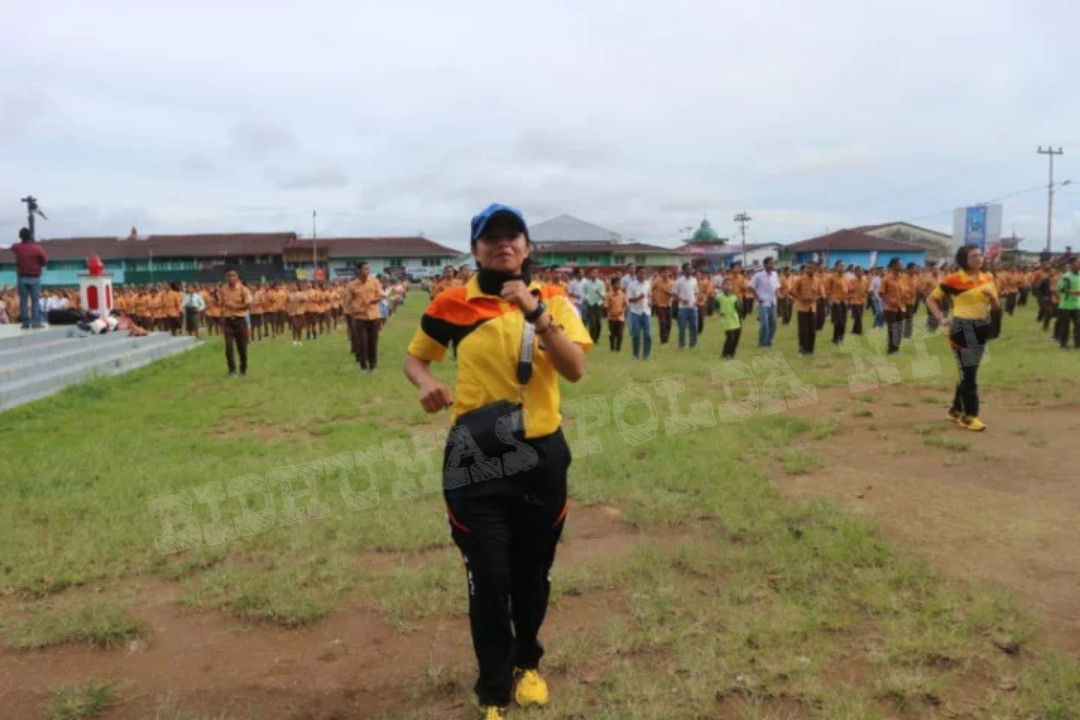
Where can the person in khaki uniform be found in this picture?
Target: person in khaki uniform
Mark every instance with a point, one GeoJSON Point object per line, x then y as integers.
{"type": "Point", "coordinates": [213, 311]}
{"type": "Point", "coordinates": [662, 293]}
{"type": "Point", "coordinates": [785, 304]}
{"type": "Point", "coordinates": [296, 309]}
{"type": "Point", "coordinates": [363, 295]}
{"type": "Point", "coordinates": [173, 307]}
{"type": "Point", "coordinates": [235, 307]}
{"type": "Point", "coordinates": [837, 289]}
{"type": "Point", "coordinates": [805, 291]}
{"type": "Point", "coordinates": [892, 297]}
{"type": "Point", "coordinates": [258, 307]}
{"type": "Point", "coordinates": [858, 290]}
{"type": "Point", "coordinates": [910, 279]}
{"type": "Point", "coordinates": [615, 305]}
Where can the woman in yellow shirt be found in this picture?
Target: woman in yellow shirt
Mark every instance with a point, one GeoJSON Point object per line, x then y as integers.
{"type": "Point", "coordinates": [973, 296]}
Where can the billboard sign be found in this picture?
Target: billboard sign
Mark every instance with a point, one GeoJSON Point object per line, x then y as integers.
{"type": "Point", "coordinates": [978, 225]}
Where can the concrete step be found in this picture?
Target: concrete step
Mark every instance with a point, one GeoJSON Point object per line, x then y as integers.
{"type": "Point", "coordinates": [114, 358]}
{"type": "Point", "coordinates": [60, 351]}
{"type": "Point", "coordinates": [14, 337]}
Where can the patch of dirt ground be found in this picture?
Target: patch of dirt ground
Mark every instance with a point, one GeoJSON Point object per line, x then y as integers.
{"type": "Point", "coordinates": [352, 665]}
{"type": "Point", "coordinates": [1003, 510]}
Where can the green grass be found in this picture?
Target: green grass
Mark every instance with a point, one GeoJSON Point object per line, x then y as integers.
{"type": "Point", "coordinates": [81, 702]}
{"type": "Point", "coordinates": [95, 624]}
{"type": "Point", "coordinates": [758, 601]}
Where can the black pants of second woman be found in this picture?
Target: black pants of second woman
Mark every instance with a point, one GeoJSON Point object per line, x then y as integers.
{"type": "Point", "coordinates": [968, 339]}
{"type": "Point", "coordinates": [615, 330]}
{"type": "Point", "coordinates": [508, 536]}
{"type": "Point", "coordinates": [731, 342]}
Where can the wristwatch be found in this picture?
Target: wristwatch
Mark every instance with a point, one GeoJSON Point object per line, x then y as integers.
{"type": "Point", "coordinates": [539, 310]}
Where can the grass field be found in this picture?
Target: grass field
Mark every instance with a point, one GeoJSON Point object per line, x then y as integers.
{"type": "Point", "coordinates": [308, 490]}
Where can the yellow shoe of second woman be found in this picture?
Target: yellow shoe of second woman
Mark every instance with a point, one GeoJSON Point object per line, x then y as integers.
{"type": "Point", "coordinates": [492, 712]}
{"type": "Point", "coordinates": [973, 423]}
{"type": "Point", "coordinates": [530, 689]}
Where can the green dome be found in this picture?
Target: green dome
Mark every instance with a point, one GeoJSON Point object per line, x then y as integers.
{"type": "Point", "coordinates": [705, 233]}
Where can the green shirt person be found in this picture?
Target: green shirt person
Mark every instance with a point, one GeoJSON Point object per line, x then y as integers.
{"type": "Point", "coordinates": [729, 309]}
{"type": "Point", "coordinates": [1068, 288]}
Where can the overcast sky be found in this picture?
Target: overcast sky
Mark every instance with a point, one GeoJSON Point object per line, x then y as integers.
{"type": "Point", "coordinates": [393, 118]}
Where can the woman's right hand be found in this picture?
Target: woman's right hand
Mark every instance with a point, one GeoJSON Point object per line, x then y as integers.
{"type": "Point", "coordinates": [434, 396]}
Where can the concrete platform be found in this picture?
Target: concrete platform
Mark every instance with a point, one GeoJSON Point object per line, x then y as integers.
{"type": "Point", "coordinates": [38, 363]}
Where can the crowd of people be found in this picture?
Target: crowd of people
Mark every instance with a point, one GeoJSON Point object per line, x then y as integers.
{"type": "Point", "coordinates": [812, 296]}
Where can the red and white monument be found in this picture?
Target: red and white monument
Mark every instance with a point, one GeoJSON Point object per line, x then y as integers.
{"type": "Point", "coordinates": [95, 288]}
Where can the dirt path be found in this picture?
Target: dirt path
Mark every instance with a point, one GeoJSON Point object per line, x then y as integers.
{"type": "Point", "coordinates": [352, 665]}
{"type": "Point", "coordinates": [1004, 511]}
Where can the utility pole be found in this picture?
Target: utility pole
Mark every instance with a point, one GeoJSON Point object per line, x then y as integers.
{"type": "Point", "coordinates": [742, 218]}
{"type": "Point", "coordinates": [314, 252]}
{"type": "Point", "coordinates": [1050, 192]}
{"type": "Point", "coordinates": [32, 209]}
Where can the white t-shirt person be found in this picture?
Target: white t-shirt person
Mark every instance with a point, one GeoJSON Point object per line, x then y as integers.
{"type": "Point", "coordinates": [686, 291]}
{"type": "Point", "coordinates": [639, 289]}
{"type": "Point", "coordinates": [765, 285]}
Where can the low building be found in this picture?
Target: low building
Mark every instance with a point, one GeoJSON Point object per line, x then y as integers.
{"type": "Point", "coordinates": [715, 257]}
{"type": "Point", "coordinates": [141, 260]}
{"type": "Point", "coordinates": [416, 256]}
{"type": "Point", "coordinates": [566, 241]}
{"type": "Point", "coordinates": [855, 248]}
{"type": "Point", "coordinates": [938, 245]}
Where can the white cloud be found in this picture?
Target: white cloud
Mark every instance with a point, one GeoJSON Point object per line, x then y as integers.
{"type": "Point", "coordinates": [397, 116]}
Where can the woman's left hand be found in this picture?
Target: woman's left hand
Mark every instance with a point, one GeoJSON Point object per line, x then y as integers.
{"type": "Point", "coordinates": [517, 292]}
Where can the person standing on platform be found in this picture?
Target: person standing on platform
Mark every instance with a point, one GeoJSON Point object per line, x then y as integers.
{"type": "Point", "coordinates": [30, 261]}
{"type": "Point", "coordinates": [728, 311]}
{"type": "Point", "coordinates": [686, 289]}
{"type": "Point", "coordinates": [837, 288]}
{"type": "Point", "coordinates": [235, 306]}
{"type": "Point", "coordinates": [765, 285]}
{"type": "Point", "coordinates": [637, 297]}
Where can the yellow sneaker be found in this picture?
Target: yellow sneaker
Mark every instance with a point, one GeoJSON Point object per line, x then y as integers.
{"type": "Point", "coordinates": [491, 712]}
{"type": "Point", "coordinates": [530, 689]}
{"type": "Point", "coordinates": [972, 423]}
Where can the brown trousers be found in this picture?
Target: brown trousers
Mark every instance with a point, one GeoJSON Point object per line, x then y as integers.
{"type": "Point", "coordinates": [236, 339]}
{"type": "Point", "coordinates": [365, 345]}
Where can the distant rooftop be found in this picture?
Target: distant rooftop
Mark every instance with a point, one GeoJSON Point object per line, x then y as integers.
{"type": "Point", "coordinates": [569, 229]}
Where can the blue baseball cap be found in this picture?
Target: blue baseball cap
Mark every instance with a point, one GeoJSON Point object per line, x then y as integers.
{"type": "Point", "coordinates": [494, 211]}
